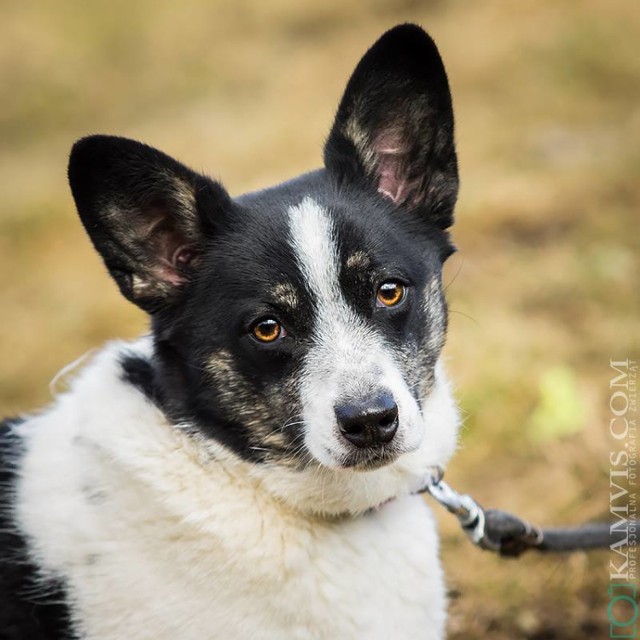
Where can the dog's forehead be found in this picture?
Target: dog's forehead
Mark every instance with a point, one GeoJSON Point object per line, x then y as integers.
{"type": "Point", "coordinates": [325, 245]}
{"type": "Point", "coordinates": [312, 236]}
{"type": "Point", "coordinates": [293, 245]}
{"type": "Point", "coordinates": [279, 250]}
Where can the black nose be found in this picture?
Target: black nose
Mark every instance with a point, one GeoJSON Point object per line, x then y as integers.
{"type": "Point", "coordinates": [368, 423]}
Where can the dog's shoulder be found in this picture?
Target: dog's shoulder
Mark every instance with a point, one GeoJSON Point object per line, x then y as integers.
{"type": "Point", "coordinates": [30, 606]}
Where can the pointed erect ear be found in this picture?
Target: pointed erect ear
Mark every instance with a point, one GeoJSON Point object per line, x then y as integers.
{"type": "Point", "coordinates": [146, 214]}
{"type": "Point", "coordinates": [394, 127]}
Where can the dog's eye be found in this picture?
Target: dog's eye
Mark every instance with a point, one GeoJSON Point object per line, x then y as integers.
{"type": "Point", "coordinates": [390, 294]}
{"type": "Point", "coordinates": [268, 330]}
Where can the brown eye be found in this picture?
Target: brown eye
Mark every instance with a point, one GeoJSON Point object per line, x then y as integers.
{"type": "Point", "coordinates": [268, 330]}
{"type": "Point", "coordinates": [390, 294]}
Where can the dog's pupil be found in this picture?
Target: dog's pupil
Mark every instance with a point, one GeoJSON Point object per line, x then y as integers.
{"type": "Point", "coordinates": [390, 292]}
{"type": "Point", "coordinates": [267, 330]}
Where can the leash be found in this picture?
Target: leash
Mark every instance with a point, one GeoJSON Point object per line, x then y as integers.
{"type": "Point", "coordinates": [508, 535]}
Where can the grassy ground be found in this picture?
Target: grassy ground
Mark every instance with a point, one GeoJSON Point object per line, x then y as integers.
{"type": "Point", "coordinates": [543, 291]}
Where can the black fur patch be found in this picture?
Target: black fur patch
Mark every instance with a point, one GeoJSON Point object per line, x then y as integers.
{"type": "Point", "coordinates": [138, 371]}
{"type": "Point", "coordinates": [30, 608]}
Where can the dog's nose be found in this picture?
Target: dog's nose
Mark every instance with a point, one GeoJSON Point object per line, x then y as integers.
{"type": "Point", "coordinates": [368, 423]}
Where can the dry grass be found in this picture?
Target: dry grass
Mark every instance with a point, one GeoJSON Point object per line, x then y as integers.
{"type": "Point", "coordinates": [546, 279]}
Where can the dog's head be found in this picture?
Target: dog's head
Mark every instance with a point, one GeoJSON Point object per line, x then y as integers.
{"type": "Point", "coordinates": [301, 326]}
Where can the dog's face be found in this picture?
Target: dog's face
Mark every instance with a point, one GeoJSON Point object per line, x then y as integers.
{"type": "Point", "coordinates": [301, 325]}
{"type": "Point", "coordinates": [312, 332]}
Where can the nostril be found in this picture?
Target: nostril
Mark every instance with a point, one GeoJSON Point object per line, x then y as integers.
{"type": "Point", "coordinates": [353, 429]}
{"type": "Point", "coordinates": [387, 426]}
{"type": "Point", "coordinates": [388, 419]}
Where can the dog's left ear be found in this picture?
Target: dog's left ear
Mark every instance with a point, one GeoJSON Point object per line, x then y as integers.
{"type": "Point", "coordinates": [394, 127]}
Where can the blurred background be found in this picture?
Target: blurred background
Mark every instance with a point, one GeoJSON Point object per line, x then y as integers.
{"type": "Point", "coordinates": [544, 289]}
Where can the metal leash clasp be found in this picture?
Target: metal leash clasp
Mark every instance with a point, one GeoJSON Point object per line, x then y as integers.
{"type": "Point", "coordinates": [469, 513]}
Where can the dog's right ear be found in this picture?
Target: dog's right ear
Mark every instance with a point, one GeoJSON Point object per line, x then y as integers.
{"type": "Point", "coordinates": [147, 215]}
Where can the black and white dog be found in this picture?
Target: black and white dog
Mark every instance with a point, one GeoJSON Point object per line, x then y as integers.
{"type": "Point", "coordinates": [247, 471]}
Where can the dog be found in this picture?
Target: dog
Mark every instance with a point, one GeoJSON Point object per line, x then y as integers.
{"type": "Point", "coordinates": [248, 469]}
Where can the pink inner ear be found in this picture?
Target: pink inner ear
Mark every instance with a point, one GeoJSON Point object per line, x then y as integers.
{"type": "Point", "coordinates": [390, 151]}
{"type": "Point", "coordinates": [389, 185]}
{"type": "Point", "coordinates": [169, 251]}
{"type": "Point", "coordinates": [183, 257]}
{"type": "Point", "coordinates": [171, 268]}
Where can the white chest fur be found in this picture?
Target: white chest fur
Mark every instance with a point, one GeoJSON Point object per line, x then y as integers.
{"type": "Point", "coordinates": [158, 540]}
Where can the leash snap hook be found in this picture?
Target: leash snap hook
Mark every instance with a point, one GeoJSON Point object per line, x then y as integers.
{"type": "Point", "coordinates": [476, 529]}
{"type": "Point", "coordinates": [469, 513]}
{"type": "Point", "coordinates": [510, 536]}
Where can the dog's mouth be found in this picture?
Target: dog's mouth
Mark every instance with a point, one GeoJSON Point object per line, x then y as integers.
{"type": "Point", "coordinates": [369, 459]}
